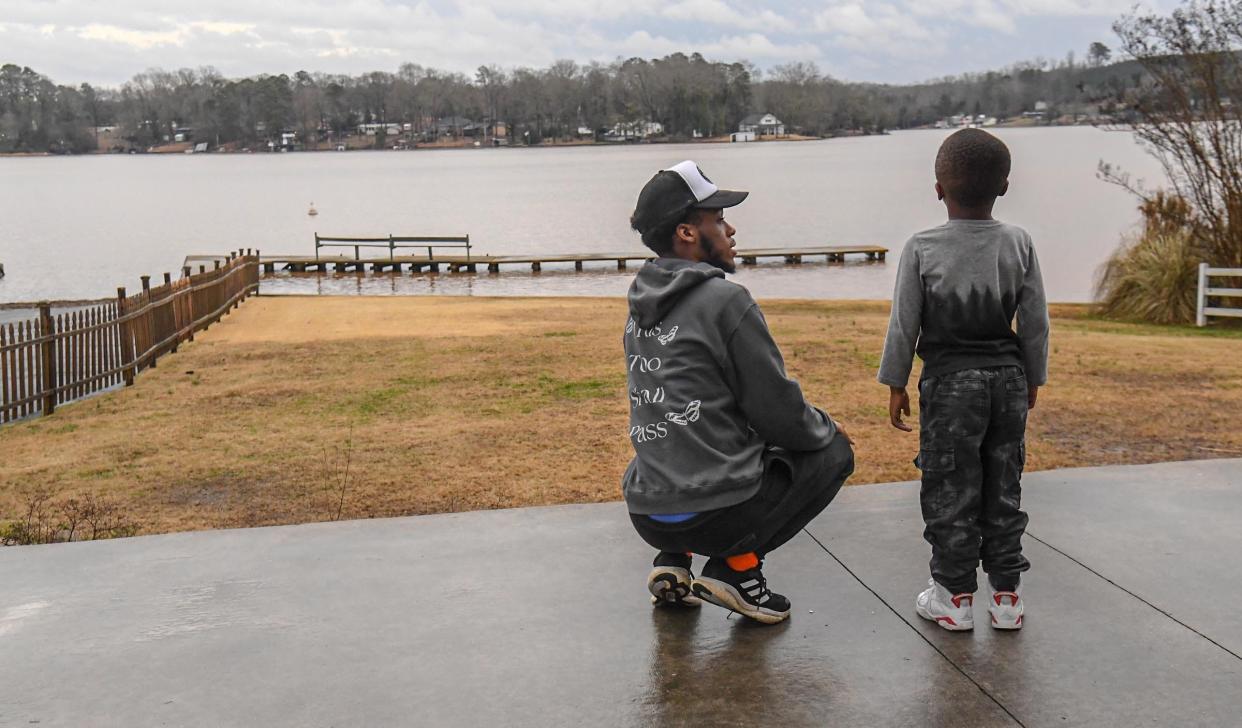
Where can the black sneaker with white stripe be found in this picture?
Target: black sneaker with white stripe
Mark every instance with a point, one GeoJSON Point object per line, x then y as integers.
{"type": "Point", "coordinates": [744, 592]}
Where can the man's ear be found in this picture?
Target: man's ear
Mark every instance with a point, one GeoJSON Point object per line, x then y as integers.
{"type": "Point", "coordinates": [1004, 189]}
{"type": "Point", "coordinates": [939, 191]}
{"type": "Point", "coordinates": [687, 233]}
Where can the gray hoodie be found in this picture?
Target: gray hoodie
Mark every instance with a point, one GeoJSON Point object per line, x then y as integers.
{"type": "Point", "coordinates": [708, 392]}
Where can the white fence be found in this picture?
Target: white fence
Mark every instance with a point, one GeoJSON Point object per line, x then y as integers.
{"type": "Point", "coordinates": [1205, 290]}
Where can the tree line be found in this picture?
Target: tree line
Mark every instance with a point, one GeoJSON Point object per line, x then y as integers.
{"type": "Point", "coordinates": [687, 95]}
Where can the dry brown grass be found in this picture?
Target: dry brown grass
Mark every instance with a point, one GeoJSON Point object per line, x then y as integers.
{"type": "Point", "coordinates": [461, 404]}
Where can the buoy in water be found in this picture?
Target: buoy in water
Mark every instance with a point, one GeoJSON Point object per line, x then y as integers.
{"type": "Point", "coordinates": [312, 211]}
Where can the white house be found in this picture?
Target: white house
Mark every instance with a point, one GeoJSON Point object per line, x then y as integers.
{"type": "Point", "coordinates": [390, 129]}
{"type": "Point", "coordinates": [635, 130]}
{"type": "Point", "coordinates": [762, 125]}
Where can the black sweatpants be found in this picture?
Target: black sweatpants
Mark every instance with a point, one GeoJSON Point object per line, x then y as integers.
{"type": "Point", "coordinates": [797, 487]}
{"type": "Point", "coordinates": [972, 448]}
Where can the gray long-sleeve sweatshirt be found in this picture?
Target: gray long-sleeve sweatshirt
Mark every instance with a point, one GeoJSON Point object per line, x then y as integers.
{"type": "Point", "coordinates": [708, 392]}
{"type": "Point", "coordinates": [959, 288]}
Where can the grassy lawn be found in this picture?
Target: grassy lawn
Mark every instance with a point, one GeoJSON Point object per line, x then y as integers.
{"type": "Point", "coordinates": [424, 405]}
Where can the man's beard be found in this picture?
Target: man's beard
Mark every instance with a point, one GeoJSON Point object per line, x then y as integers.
{"type": "Point", "coordinates": [713, 259]}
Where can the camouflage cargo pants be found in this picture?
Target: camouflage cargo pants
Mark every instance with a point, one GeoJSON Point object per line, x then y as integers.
{"type": "Point", "coordinates": [972, 450]}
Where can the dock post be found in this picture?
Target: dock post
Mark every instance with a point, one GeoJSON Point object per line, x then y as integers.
{"type": "Point", "coordinates": [578, 265]}
{"type": "Point", "coordinates": [435, 267]}
{"type": "Point", "coordinates": [125, 339]}
{"type": "Point", "coordinates": [47, 332]}
{"type": "Point", "coordinates": [535, 267]}
{"type": "Point", "coordinates": [493, 267]}
{"type": "Point", "coordinates": [748, 260]}
{"type": "Point", "coordinates": [621, 264]}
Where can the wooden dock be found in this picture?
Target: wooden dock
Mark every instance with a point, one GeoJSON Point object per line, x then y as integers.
{"type": "Point", "coordinates": [493, 263]}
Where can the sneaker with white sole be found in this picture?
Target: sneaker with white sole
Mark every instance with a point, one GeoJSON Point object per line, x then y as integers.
{"type": "Point", "coordinates": [669, 581]}
{"type": "Point", "coordinates": [744, 592]}
{"type": "Point", "coordinates": [1006, 608]}
{"type": "Point", "coordinates": [954, 612]}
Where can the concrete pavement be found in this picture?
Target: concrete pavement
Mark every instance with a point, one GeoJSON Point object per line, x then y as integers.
{"type": "Point", "coordinates": [539, 617]}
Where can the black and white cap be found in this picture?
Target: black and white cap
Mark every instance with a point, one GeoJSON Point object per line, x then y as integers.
{"type": "Point", "coordinates": [671, 192]}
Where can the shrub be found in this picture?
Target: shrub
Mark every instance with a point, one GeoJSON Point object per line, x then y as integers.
{"type": "Point", "coordinates": [1153, 278]}
{"type": "Point", "coordinates": [85, 518]}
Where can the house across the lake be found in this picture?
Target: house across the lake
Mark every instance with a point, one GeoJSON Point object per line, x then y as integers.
{"type": "Point", "coordinates": [762, 125]}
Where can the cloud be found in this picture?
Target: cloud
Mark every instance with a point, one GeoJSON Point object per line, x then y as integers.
{"type": "Point", "coordinates": [107, 42]}
{"type": "Point", "coordinates": [717, 12]}
{"type": "Point", "coordinates": [141, 39]}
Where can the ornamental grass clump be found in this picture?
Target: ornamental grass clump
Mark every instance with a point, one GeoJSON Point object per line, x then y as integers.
{"type": "Point", "coordinates": [1153, 278]}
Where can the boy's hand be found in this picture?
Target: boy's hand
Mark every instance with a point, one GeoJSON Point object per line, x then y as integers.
{"type": "Point", "coordinates": [899, 403]}
{"type": "Point", "coordinates": [1032, 394]}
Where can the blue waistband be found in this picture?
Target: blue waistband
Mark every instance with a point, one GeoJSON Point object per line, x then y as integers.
{"type": "Point", "coordinates": [671, 517]}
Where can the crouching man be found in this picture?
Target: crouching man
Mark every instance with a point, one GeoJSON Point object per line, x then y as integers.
{"type": "Point", "coordinates": [730, 460]}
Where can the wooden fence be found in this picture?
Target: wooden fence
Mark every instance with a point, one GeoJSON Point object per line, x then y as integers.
{"type": "Point", "coordinates": [1203, 309]}
{"type": "Point", "coordinates": [53, 359]}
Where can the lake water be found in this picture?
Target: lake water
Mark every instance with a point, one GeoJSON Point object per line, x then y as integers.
{"type": "Point", "coordinates": [77, 227]}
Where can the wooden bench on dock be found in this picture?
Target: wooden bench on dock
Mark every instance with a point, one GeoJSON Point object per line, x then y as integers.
{"type": "Point", "coordinates": [392, 243]}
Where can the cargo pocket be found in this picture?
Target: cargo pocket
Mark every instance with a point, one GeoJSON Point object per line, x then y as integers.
{"type": "Point", "coordinates": [935, 461]}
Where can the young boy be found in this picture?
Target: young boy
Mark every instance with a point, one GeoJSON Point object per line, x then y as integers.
{"type": "Point", "coordinates": [959, 288]}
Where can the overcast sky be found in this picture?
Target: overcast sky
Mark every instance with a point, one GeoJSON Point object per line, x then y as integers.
{"type": "Point", "coordinates": [108, 41]}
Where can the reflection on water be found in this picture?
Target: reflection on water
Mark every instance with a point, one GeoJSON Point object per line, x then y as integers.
{"type": "Point", "coordinates": [854, 279]}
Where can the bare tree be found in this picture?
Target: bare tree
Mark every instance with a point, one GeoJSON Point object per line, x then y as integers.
{"type": "Point", "coordinates": [1188, 115]}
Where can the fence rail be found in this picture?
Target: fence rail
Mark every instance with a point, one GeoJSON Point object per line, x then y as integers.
{"type": "Point", "coordinates": [51, 360]}
{"type": "Point", "coordinates": [1206, 292]}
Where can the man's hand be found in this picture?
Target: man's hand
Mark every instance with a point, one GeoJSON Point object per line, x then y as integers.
{"type": "Point", "coordinates": [841, 431]}
{"type": "Point", "coordinates": [1032, 394]}
{"type": "Point", "coordinates": [899, 403]}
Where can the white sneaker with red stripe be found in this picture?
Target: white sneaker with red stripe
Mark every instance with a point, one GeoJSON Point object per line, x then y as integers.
{"type": "Point", "coordinates": [1006, 608]}
{"type": "Point", "coordinates": [954, 612]}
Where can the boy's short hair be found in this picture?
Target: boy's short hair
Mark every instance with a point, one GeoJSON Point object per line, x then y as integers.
{"type": "Point", "coordinates": [972, 167]}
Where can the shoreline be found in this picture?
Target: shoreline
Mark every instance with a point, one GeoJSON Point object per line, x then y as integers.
{"type": "Point", "coordinates": [429, 147]}
{"type": "Point", "coordinates": [181, 148]}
